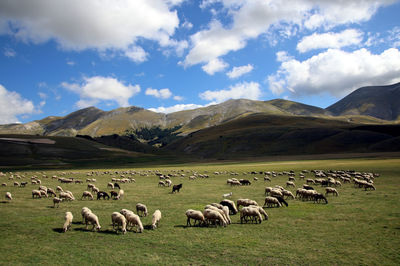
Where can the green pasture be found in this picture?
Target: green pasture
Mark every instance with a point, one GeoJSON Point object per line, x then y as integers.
{"type": "Point", "coordinates": [358, 227]}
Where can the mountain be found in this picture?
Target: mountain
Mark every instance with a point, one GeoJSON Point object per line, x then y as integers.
{"type": "Point", "coordinates": [377, 101]}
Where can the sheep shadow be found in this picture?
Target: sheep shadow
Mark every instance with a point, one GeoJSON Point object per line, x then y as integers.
{"type": "Point", "coordinates": [58, 230]}
{"type": "Point", "coordinates": [4, 202]}
{"type": "Point", "coordinates": [187, 226]}
{"type": "Point", "coordinates": [147, 227]}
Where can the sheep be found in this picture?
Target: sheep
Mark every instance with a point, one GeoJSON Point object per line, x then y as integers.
{"type": "Point", "coordinates": [44, 188]}
{"type": "Point", "coordinates": [95, 189]}
{"type": "Point", "coordinates": [245, 202]}
{"type": "Point", "coordinates": [261, 210]}
{"type": "Point", "coordinates": [102, 194]}
{"type": "Point", "coordinates": [132, 220]}
{"type": "Point", "coordinates": [226, 195]}
{"type": "Point", "coordinates": [276, 193]}
{"type": "Point", "coordinates": [87, 194]}
{"type": "Point", "coordinates": [271, 201]}
{"type": "Point", "coordinates": [369, 186]}
{"type": "Point", "coordinates": [310, 181]}
{"type": "Point", "coordinates": [196, 216]}
{"type": "Point", "coordinates": [161, 183]}
{"type": "Point", "coordinates": [57, 201]}
{"type": "Point", "coordinates": [111, 185]}
{"type": "Point", "coordinates": [219, 208]}
{"type": "Point", "coordinates": [4, 184]}
{"type": "Point", "coordinates": [155, 219]}
{"type": "Point", "coordinates": [231, 205]}
{"type": "Point", "coordinates": [141, 208]}
{"type": "Point", "coordinates": [66, 196]}
{"type": "Point", "coordinates": [50, 191]}
{"type": "Point", "coordinates": [290, 184]}
{"type": "Point", "coordinates": [114, 194]}
{"type": "Point", "coordinates": [214, 216]}
{"type": "Point", "coordinates": [331, 190]}
{"type": "Point", "coordinates": [266, 178]}
{"type": "Point", "coordinates": [68, 221]}
{"type": "Point", "coordinates": [318, 197]}
{"type": "Point", "coordinates": [43, 193]}
{"type": "Point", "coordinates": [168, 182]}
{"type": "Point", "coordinates": [176, 188]}
{"type": "Point", "coordinates": [16, 184]}
{"type": "Point", "coordinates": [59, 189]}
{"type": "Point", "coordinates": [288, 194]}
{"type": "Point", "coordinates": [84, 212]}
{"type": "Point", "coordinates": [36, 193]}
{"type": "Point", "coordinates": [91, 218]}
{"type": "Point", "coordinates": [8, 196]}
{"type": "Point", "coordinates": [70, 193]}
{"type": "Point", "coordinates": [268, 190]}
{"type": "Point", "coordinates": [250, 212]}
{"type": "Point", "coordinates": [119, 220]}
{"type": "Point", "coordinates": [120, 194]}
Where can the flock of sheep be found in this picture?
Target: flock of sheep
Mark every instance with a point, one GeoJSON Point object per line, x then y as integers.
{"type": "Point", "coordinates": [213, 213]}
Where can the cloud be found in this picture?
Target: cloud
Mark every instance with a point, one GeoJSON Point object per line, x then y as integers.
{"type": "Point", "coordinates": [70, 63]}
{"type": "Point", "coordinates": [13, 105]}
{"type": "Point", "coordinates": [163, 93]}
{"type": "Point", "coordinates": [239, 71]}
{"type": "Point", "coordinates": [330, 40]}
{"type": "Point", "coordinates": [336, 72]}
{"type": "Point", "coordinates": [136, 54]}
{"type": "Point", "coordinates": [215, 65]}
{"type": "Point", "coordinates": [175, 108]}
{"type": "Point", "coordinates": [90, 24]}
{"type": "Point", "coordinates": [250, 19]}
{"type": "Point", "coordinates": [97, 88]}
{"type": "Point", "coordinates": [9, 52]}
{"type": "Point", "coordinates": [248, 90]}
{"type": "Point", "coordinates": [178, 98]}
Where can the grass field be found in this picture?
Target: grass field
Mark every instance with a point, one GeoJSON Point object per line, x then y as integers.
{"type": "Point", "coordinates": [357, 227]}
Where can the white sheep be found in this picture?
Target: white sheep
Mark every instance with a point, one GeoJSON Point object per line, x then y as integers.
{"type": "Point", "coordinates": [290, 184]}
{"type": "Point", "coordinates": [250, 212]}
{"type": "Point", "coordinates": [65, 196]}
{"type": "Point", "coordinates": [219, 208]}
{"type": "Point", "coordinates": [276, 193]}
{"type": "Point", "coordinates": [111, 185]}
{"type": "Point", "coordinates": [271, 201]}
{"type": "Point", "coordinates": [331, 190]}
{"type": "Point", "coordinates": [134, 219]}
{"type": "Point", "coordinates": [91, 218]}
{"type": "Point", "coordinates": [8, 196]}
{"type": "Point", "coordinates": [36, 193]}
{"type": "Point", "coordinates": [120, 194]}
{"type": "Point", "coordinates": [196, 216]}
{"type": "Point", "coordinates": [245, 202]}
{"type": "Point", "coordinates": [141, 208]}
{"type": "Point", "coordinates": [84, 212]}
{"type": "Point", "coordinates": [227, 195]}
{"type": "Point", "coordinates": [155, 219]}
{"type": "Point", "coordinates": [161, 183]}
{"type": "Point", "coordinates": [87, 194]}
{"type": "Point", "coordinates": [214, 216]}
{"type": "Point", "coordinates": [261, 210]}
{"type": "Point", "coordinates": [43, 193]}
{"type": "Point", "coordinates": [59, 189]}
{"type": "Point", "coordinates": [168, 182]}
{"type": "Point", "coordinates": [68, 221]}
{"type": "Point", "coordinates": [119, 220]}
{"type": "Point", "coordinates": [57, 201]}
{"type": "Point", "coordinates": [288, 194]}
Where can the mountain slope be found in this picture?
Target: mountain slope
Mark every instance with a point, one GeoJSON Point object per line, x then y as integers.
{"type": "Point", "coordinates": [378, 101]}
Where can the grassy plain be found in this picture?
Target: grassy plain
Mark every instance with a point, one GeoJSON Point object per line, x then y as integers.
{"type": "Point", "coordinates": [358, 227]}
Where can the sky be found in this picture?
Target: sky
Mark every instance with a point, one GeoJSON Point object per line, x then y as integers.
{"type": "Point", "coordinates": [57, 57]}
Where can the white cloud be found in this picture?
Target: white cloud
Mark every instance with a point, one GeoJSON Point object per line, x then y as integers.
{"type": "Point", "coordinates": [336, 72]}
{"type": "Point", "coordinates": [91, 24]}
{"type": "Point", "coordinates": [97, 88]}
{"type": "Point", "coordinates": [9, 52]}
{"type": "Point", "coordinates": [136, 54]}
{"type": "Point", "coordinates": [248, 90]}
{"type": "Point", "coordinates": [13, 105]}
{"type": "Point", "coordinates": [70, 63]}
{"type": "Point", "coordinates": [187, 25]}
{"type": "Point", "coordinates": [330, 40]}
{"type": "Point", "coordinates": [215, 65]}
{"type": "Point", "coordinates": [163, 93]}
{"type": "Point", "coordinates": [178, 98]}
{"type": "Point", "coordinates": [239, 71]}
{"type": "Point", "coordinates": [175, 108]}
{"type": "Point", "coordinates": [250, 19]}
{"type": "Point", "coordinates": [282, 56]}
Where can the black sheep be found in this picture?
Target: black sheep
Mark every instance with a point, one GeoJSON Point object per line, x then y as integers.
{"type": "Point", "coordinates": [176, 188]}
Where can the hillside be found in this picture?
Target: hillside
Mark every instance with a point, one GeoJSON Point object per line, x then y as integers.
{"type": "Point", "coordinates": [264, 134]}
{"type": "Point", "coordinates": [377, 101]}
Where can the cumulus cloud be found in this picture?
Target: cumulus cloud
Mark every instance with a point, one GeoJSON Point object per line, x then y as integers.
{"type": "Point", "coordinates": [248, 90]}
{"type": "Point", "coordinates": [175, 108]}
{"type": "Point", "coordinates": [13, 105]}
{"type": "Point", "coordinates": [250, 19]}
{"type": "Point", "coordinates": [336, 72]}
{"type": "Point", "coordinates": [214, 65]}
{"type": "Point", "coordinates": [163, 93]}
{"type": "Point", "coordinates": [239, 71]}
{"type": "Point", "coordinates": [90, 24]}
{"type": "Point", "coordinates": [330, 40]}
{"type": "Point", "coordinates": [136, 54]}
{"type": "Point", "coordinates": [9, 52]}
{"type": "Point", "coordinates": [95, 89]}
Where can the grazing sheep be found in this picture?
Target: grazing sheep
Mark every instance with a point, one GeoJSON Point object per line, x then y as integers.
{"type": "Point", "coordinates": [68, 221]}
{"type": "Point", "coordinates": [8, 196]}
{"type": "Point", "coordinates": [227, 195]}
{"type": "Point", "coordinates": [43, 193]}
{"type": "Point", "coordinates": [196, 216]}
{"type": "Point", "coordinates": [119, 220]}
{"type": "Point", "coordinates": [116, 185]}
{"type": "Point", "coordinates": [36, 193]}
{"type": "Point", "coordinates": [231, 205]}
{"type": "Point", "coordinates": [271, 201]}
{"type": "Point", "coordinates": [87, 194]}
{"type": "Point", "coordinates": [66, 196]}
{"type": "Point", "coordinates": [102, 194]}
{"type": "Point", "coordinates": [369, 186]}
{"type": "Point", "coordinates": [84, 212]}
{"type": "Point", "coordinates": [288, 194]}
{"type": "Point", "coordinates": [161, 183]}
{"type": "Point", "coordinates": [155, 219]}
{"type": "Point", "coordinates": [214, 216]}
{"type": "Point", "coordinates": [261, 210]}
{"type": "Point", "coordinates": [50, 191]}
{"type": "Point", "coordinates": [141, 208]}
{"type": "Point", "coordinates": [266, 178]}
{"type": "Point", "coordinates": [176, 188]}
{"type": "Point", "coordinates": [91, 218]}
{"type": "Point", "coordinates": [168, 182]}
{"type": "Point", "coordinates": [268, 190]}
{"type": "Point", "coordinates": [4, 184]}
{"type": "Point", "coordinates": [224, 214]}
{"type": "Point", "coordinates": [110, 185]}
{"type": "Point", "coordinates": [276, 193]}
{"type": "Point", "coordinates": [331, 190]}
{"type": "Point", "coordinates": [16, 184]}
{"type": "Point", "coordinates": [95, 189]}
{"type": "Point", "coordinates": [59, 189]}
{"type": "Point", "coordinates": [56, 201]}
{"type": "Point", "coordinates": [132, 220]}
{"type": "Point", "coordinates": [282, 201]}
{"type": "Point", "coordinates": [250, 212]}
{"type": "Point", "coordinates": [310, 181]}
{"type": "Point", "coordinates": [290, 184]}
{"type": "Point", "coordinates": [245, 202]}
{"type": "Point", "coordinates": [120, 194]}
{"type": "Point", "coordinates": [318, 197]}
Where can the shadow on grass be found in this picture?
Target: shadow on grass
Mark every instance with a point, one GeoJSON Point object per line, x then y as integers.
{"type": "Point", "coordinates": [4, 201]}
{"type": "Point", "coordinates": [58, 230]}
{"type": "Point", "coordinates": [186, 226]}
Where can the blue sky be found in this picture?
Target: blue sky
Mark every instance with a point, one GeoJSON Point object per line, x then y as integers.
{"type": "Point", "coordinates": [60, 56]}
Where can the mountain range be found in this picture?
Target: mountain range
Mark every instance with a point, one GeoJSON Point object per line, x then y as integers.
{"type": "Point", "coordinates": [366, 105]}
